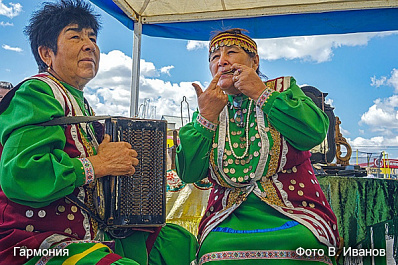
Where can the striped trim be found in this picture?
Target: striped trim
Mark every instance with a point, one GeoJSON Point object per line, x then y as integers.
{"type": "Point", "coordinates": [206, 123]}
{"type": "Point", "coordinates": [261, 254]}
{"type": "Point", "coordinates": [59, 94]}
{"type": "Point", "coordinates": [263, 97]}
{"type": "Point", "coordinates": [45, 259]}
{"type": "Point", "coordinates": [287, 225]}
{"type": "Point", "coordinates": [76, 258]}
{"type": "Point", "coordinates": [109, 259]}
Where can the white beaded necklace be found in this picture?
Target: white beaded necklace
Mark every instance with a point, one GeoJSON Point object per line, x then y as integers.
{"type": "Point", "coordinates": [246, 131]}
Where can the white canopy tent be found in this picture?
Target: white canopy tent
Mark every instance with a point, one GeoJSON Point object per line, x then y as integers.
{"type": "Point", "coordinates": [195, 19]}
{"type": "Point", "coordinates": [164, 11]}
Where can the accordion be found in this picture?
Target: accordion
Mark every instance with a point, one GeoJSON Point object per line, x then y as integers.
{"type": "Point", "coordinates": [139, 200]}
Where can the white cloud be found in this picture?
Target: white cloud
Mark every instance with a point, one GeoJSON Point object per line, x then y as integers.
{"type": "Point", "coordinates": [378, 82]}
{"type": "Point", "coordinates": [311, 48]}
{"type": "Point", "coordinates": [387, 81]}
{"type": "Point", "coordinates": [166, 69]}
{"type": "Point", "coordinates": [9, 48]}
{"type": "Point", "coordinates": [109, 92]}
{"type": "Point", "coordinates": [344, 132]}
{"type": "Point", "coordinates": [393, 80]}
{"type": "Point", "coordinates": [381, 119]}
{"type": "Point", "coordinates": [308, 48]}
{"type": "Point", "coordinates": [195, 45]}
{"type": "Point", "coordinates": [148, 69]}
{"type": "Point", "coordinates": [329, 101]}
{"type": "Point", "coordinates": [12, 11]}
{"type": "Point", "coordinates": [382, 116]}
{"type": "Point", "coordinates": [374, 144]}
{"type": "Point", "coordinates": [6, 24]}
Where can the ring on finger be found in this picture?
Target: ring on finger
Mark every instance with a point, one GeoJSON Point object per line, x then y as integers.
{"type": "Point", "coordinates": [235, 78]}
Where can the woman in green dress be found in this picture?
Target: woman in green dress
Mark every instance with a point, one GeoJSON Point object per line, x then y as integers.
{"type": "Point", "coordinates": [251, 139]}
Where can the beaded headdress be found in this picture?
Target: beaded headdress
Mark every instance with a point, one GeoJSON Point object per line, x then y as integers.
{"type": "Point", "coordinates": [228, 39]}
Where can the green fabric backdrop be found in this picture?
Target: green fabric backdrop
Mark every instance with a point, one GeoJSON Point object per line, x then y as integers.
{"type": "Point", "coordinates": [361, 204]}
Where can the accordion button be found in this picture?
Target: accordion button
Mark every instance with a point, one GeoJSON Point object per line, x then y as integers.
{"type": "Point", "coordinates": [208, 214]}
{"type": "Point", "coordinates": [74, 208]}
{"type": "Point", "coordinates": [29, 213]}
{"type": "Point", "coordinates": [61, 208]}
{"type": "Point", "coordinates": [68, 231]}
{"type": "Point", "coordinates": [211, 209]}
{"type": "Point", "coordinates": [30, 228]}
{"type": "Point", "coordinates": [71, 217]}
{"type": "Point", "coordinates": [42, 213]}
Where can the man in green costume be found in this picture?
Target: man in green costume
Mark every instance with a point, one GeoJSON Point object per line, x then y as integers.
{"type": "Point", "coordinates": [40, 165]}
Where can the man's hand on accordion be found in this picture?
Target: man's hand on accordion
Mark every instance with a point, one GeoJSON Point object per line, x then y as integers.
{"type": "Point", "coordinates": [114, 158]}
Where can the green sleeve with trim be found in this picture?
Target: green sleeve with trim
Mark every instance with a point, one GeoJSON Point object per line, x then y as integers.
{"type": "Point", "coordinates": [297, 117]}
{"type": "Point", "coordinates": [192, 161]}
{"type": "Point", "coordinates": [34, 169]}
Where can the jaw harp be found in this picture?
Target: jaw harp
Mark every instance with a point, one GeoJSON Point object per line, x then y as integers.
{"type": "Point", "coordinates": [229, 72]}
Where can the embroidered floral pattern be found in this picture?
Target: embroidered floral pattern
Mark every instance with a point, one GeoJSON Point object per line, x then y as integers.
{"type": "Point", "coordinates": [205, 123]}
{"type": "Point", "coordinates": [88, 170]}
{"type": "Point", "coordinates": [263, 97]}
{"type": "Point", "coordinates": [174, 183]}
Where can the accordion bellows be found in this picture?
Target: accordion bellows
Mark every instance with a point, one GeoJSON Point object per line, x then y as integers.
{"type": "Point", "coordinates": [138, 200]}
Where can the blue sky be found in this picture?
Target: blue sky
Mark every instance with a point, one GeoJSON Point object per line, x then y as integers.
{"type": "Point", "coordinates": [358, 71]}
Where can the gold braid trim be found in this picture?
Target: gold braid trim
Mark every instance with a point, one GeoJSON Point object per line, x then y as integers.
{"type": "Point", "coordinates": [236, 196]}
{"type": "Point", "coordinates": [266, 182]}
{"type": "Point", "coordinates": [271, 195]}
{"type": "Point", "coordinates": [89, 148]}
{"type": "Point", "coordinates": [90, 204]}
{"type": "Point", "coordinates": [275, 150]}
{"type": "Point", "coordinates": [271, 84]}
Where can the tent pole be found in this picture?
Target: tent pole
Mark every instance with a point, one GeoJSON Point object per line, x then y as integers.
{"type": "Point", "coordinates": [135, 82]}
